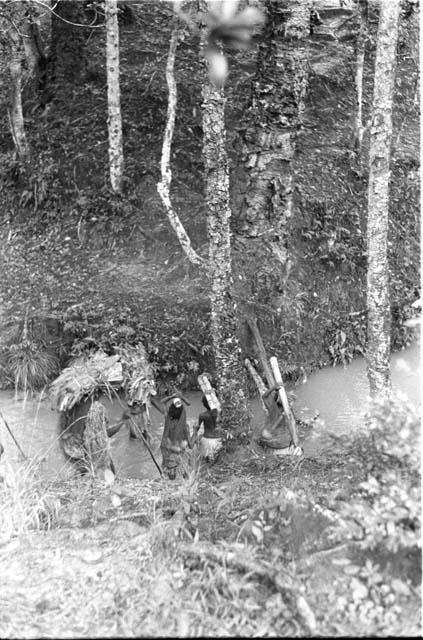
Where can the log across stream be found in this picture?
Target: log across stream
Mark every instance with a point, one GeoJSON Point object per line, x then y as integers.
{"type": "Point", "coordinates": [337, 393]}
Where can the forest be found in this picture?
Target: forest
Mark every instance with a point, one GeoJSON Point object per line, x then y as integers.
{"type": "Point", "coordinates": [189, 187]}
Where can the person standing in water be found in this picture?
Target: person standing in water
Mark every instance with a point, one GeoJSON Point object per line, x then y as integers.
{"type": "Point", "coordinates": [275, 432]}
{"type": "Point", "coordinates": [176, 436]}
{"type": "Point", "coordinates": [211, 440]}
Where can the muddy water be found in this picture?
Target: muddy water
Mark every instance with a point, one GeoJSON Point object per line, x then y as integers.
{"type": "Point", "coordinates": [338, 393]}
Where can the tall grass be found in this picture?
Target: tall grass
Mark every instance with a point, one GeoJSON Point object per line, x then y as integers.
{"type": "Point", "coordinates": [30, 366]}
{"type": "Point", "coordinates": [25, 503]}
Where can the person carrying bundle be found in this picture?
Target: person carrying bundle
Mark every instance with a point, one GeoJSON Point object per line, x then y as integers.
{"type": "Point", "coordinates": [275, 432]}
{"type": "Point", "coordinates": [210, 443]}
{"type": "Point", "coordinates": [176, 436]}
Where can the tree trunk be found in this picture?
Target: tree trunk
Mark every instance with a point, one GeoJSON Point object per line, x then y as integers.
{"type": "Point", "coordinates": [275, 117]}
{"type": "Point", "coordinates": [277, 107]}
{"type": "Point", "coordinates": [32, 43]}
{"type": "Point", "coordinates": [378, 341]}
{"type": "Point", "coordinates": [359, 70]}
{"type": "Point", "coordinates": [163, 187]}
{"type": "Point", "coordinates": [227, 353]}
{"type": "Point", "coordinates": [13, 53]}
{"type": "Point", "coordinates": [113, 96]}
{"type": "Point", "coordinates": [67, 61]}
{"type": "Point", "coordinates": [17, 122]}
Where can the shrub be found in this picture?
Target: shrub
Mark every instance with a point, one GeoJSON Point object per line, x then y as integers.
{"type": "Point", "coordinates": [29, 365]}
{"type": "Point", "coordinates": [387, 503]}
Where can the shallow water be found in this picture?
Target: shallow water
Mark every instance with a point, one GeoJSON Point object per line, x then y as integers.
{"type": "Point", "coordinates": [339, 394]}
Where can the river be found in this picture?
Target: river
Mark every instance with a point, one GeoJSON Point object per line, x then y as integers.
{"type": "Point", "coordinates": [339, 394]}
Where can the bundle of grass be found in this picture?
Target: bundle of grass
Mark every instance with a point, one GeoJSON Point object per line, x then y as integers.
{"type": "Point", "coordinates": [29, 366]}
{"type": "Point", "coordinates": [138, 378]}
{"type": "Point", "coordinates": [96, 442]}
{"type": "Point", "coordinates": [84, 377]}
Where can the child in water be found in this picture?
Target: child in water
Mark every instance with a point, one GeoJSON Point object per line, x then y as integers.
{"type": "Point", "coordinates": [176, 437]}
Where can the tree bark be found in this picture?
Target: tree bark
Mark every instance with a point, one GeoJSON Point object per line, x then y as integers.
{"type": "Point", "coordinates": [273, 121]}
{"type": "Point", "coordinates": [116, 162]}
{"type": "Point", "coordinates": [17, 122]}
{"type": "Point", "coordinates": [11, 19]}
{"type": "Point", "coordinates": [359, 70]}
{"type": "Point", "coordinates": [67, 62]}
{"type": "Point", "coordinates": [227, 353]}
{"type": "Point", "coordinates": [32, 43]}
{"type": "Point", "coordinates": [277, 107]}
{"type": "Point", "coordinates": [163, 186]}
{"type": "Point", "coordinates": [378, 341]}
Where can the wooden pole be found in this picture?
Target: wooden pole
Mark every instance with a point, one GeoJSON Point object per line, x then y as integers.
{"type": "Point", "coordinates": [284, 399]}
{"type": "Point", "coordinates": [11, 434]}
{"type": "Point", "coordinates": [261, 387]}
{"type": "Point", "coordinates": [209, 392]}
{"type": "Point", "coordinates": [261, 351]}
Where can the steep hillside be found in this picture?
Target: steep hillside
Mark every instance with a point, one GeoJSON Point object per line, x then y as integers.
{"type": "Point", "coordinates": [108, 269]}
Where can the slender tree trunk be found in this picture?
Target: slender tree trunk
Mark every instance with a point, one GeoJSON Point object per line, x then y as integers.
{"type": "Point", "coordinates": [31, 40]}
{"type": "Point", "coordinates": [359, 70]}
{"type": "Point", "coordinates": [12, 51]}
{"type": "Point", "coordinates": [113, 96]}
{"type": "Point", "coordinates": [230, 372]}
{"type": "Point", "coordinates": [378, 344]}
{"type": "Point", "coordinates": [163, 187]}
{"type": "Point", "coordinates": [17, 122]}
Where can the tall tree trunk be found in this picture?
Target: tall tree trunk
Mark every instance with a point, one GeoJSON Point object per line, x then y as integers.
{"type": "Point", "coordinates": [163, 187]}
{"type": "Point", "coordinates": [113, 96]}
{"type": "Point", "coordinates": [12, 52]}
{"type": "Point", "coordinates": [378, 344]}
{"type": "Point", "coordinates": [17, 122]}
{"type": "Point", "coordinates": [67, 62]}
{"type": "Point", "coordinates": [277, 108]}
{"type": "Point", "coordinates": [231, 379]}
{"type": "Point", "coordinates": [359, 70]}
{"type": "Point", "coordinates": [274, 119]}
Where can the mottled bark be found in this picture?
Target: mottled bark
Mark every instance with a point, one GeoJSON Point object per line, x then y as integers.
{"type": "Point", "coordinates": [277, 107]}
{"type": "Point", "coordinates": [32, 44]}
{"type": "Point", "coordinates": [67, 62]}
{"type": "Point", "coordinates": [163, 187]}
{"type": "Point", "coordinates": [12, 54]}
{"type": "Point", "coordinates": [114, 121]}
{"type": "Point", "coordinates": [359, 70]}
{"type": "Point", "coordinates": [378, 345]}
{"type": "Point", "coordinates": [227, 353]}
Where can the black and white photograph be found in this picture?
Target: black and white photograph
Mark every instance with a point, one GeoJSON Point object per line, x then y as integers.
{"type": "Point", "coordinates": [210, 318]}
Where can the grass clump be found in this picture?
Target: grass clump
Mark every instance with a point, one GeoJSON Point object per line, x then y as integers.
{"type": "Point", "coordinates": [29, 365]}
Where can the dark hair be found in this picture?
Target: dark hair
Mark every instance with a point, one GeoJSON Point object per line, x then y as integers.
{"type": "Point", "coordinates": [205, 403]}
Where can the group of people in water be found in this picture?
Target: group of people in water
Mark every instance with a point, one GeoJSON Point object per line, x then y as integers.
{"type": "Point", "coordinates": [177, 435]}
